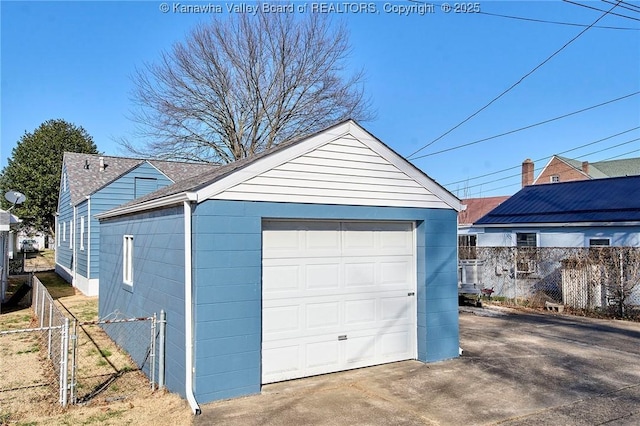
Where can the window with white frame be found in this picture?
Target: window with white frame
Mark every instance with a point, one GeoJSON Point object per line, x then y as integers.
{"type": "Point", "coordinates": [81, 232]}
{"type": "Point", "coordinates": [555, 178]}
{"type": "Point", "coordinates": [70, 234]}
{"type": "Point", "coordinates": [64, 182]}
{"type": "Point", "coordinates": [64, 231]}
{"type": "Point", "coordinates": [58, 232]}
{"type": "Point", "coordinates": [127, 259]}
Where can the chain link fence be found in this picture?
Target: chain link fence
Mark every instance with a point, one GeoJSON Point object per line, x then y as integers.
{"type": "Point", "coordinates": [598, 279]}
{"type": "Point", "coordinates": [78, 361]}
{"type": "Point", "coordinates": [102, 368]}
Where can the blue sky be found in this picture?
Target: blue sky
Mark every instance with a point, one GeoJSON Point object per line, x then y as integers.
{"type": "Point", "coordinates": [425, 74]}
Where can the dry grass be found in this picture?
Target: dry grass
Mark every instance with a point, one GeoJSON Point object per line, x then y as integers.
{"type": "Point", "coordinates": [27, 396]}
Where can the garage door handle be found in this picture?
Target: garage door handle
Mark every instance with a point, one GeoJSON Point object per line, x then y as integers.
{"type": "Point", "coordinates": [411, 294]}
{"type": "Point", "coordinates": [343, 337]}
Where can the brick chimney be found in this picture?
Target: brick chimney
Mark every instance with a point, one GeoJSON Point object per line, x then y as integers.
{"type": "Point", "coordinates": [527, 172]}
{"type": "Point", "coordinates": [585, 167]}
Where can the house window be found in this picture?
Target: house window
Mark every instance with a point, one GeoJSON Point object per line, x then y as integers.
{"type": "Point", "coordinates": [58, 232]}
{"type": "Point", "coordinates": [64, 231]}
{"type": "Point", "coordinates": [70, 234]}
{"type": "Point", "coordinates": [81, 232]}
{"type": "Point", "coordinates": [127, 259]}
{"type": "Point", "coordinates": [64, 182]}
{"type": "Point", "coordinates": [599, 242]}
{"type": "Point", "coordinates": [526, 239]}
{"type": "Point", "coordinates": [526, 254]}
{"type": "Point", "coordinates": [555, 178]}
{"type": "Point", "coordinates": [467, 246]}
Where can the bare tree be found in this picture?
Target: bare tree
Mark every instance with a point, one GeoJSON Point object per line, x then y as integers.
{"type": "Point", "coordinates": [236, 87]}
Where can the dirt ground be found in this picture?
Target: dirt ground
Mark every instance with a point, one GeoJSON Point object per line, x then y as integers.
{"type": "Point", "coordinates": [28, 391]}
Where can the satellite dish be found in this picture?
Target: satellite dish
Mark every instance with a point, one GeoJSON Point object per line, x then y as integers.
{"type": "Point", "coordinates": [15, 197]}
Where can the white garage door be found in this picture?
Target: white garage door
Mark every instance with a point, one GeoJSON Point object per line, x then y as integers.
{"type": "Point", "coordinates": [336, 296]}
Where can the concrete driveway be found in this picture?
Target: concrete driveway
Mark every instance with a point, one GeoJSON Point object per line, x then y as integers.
{"type": "Point", "coordinates": [517, 369]}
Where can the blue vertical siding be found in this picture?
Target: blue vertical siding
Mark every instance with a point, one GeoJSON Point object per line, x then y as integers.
{"type": "Point", "coordinates": [64, 256]}
{"type": "Point", "coordinates": [158, 278]}
{"type": "Point", "coordinates": [227, 279]}
{"type": "Point", "coordinates": [80, 253]}
{"type": "Point", "coordinates": [116, 193]}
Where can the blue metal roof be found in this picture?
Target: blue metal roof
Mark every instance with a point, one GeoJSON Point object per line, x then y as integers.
{"type": "Point", "coordinates": [597, 200]}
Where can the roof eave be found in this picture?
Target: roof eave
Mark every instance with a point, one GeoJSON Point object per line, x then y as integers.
{"type": "Point", "coordinates": [554, 224]}
{"type": "Point", "coordinates": [157, 203]}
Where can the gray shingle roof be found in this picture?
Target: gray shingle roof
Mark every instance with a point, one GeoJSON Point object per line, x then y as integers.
{"type": "Point", "coordinates": [611, 168]}
{"type": "Point", "coordinates": [85, 176]}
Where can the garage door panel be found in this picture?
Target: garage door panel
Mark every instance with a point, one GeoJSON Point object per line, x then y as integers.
{"type": "Point", "coordinates": [395, 308]}
{"type": "Point", "coordinates": [322, 354]}
{"type": "Point", "coordinates": [347, 291]}
{"type": "Point", "coordinates": [281, 278]}
{"type": "Point", "coordinates": [321, 316]}
{"type": "Point", "coordinates": [359, 311]}
{"type": "Point", "coordinates": [395, 272]}
{"type": "Point", "coordinates": [394, 344]}
{"type": "Point", "coordinates": [323, 276]}
{"type": "Point", "coordinates": [280, 319]}
{"type": "Point", "coordinates": [359, 274]}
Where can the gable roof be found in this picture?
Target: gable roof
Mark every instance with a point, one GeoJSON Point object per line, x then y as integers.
{"type": "Point", "coordinates": [582, 202]}
{"type": "Point", "coordinates": [206, 185]}
{"type": "Point", "coordinates": [478, 207]}
{"type": "Point", "coordinates": [85, 177]}
{"type": "Point", "coordinates": [603, 169]}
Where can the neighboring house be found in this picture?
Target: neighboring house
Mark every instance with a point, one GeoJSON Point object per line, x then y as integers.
{"type": "Point", "coordinates": [562, 169]}
{"type": "Point", "coordinates": [327, 253]}
{"type": "Point", "coordinates": [474, 209]}
{"type": "Point", "coordinates": [92, 184]}
{"type": "Point", "coordinates": [8, 242]}
{"type": "Point", "coordinates": [602, 212]}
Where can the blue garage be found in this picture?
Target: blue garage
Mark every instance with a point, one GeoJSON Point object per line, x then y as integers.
{"type": "Point", "coordinates": [324, 254]}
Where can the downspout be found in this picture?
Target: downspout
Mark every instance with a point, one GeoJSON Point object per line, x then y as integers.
{"type": "Point", "coordinates": [188, 311]}
{"type": "Point", "coordinates": [89, 238]}
{"type": "Point", "coordinates": [72, 239]}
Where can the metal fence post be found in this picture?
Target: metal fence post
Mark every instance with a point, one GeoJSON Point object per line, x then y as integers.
{"type": "Point", "coordinates": [50, 331]}
{"type": "Point", "coordinates": [153, 352]}
{"type": "Point", "coordinates": [163, 327]}
{"type": "Point", "coordinates": [42, 309]}
{"type": "Point", "coordinates": [64, 364]}
{"type": "Point", "coordinates": [74, 361]}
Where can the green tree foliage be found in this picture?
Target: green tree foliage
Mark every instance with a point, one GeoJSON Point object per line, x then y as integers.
{"type": "Point", "coordinates": [34, 169]}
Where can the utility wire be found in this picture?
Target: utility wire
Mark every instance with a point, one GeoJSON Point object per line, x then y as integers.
{"type": "Point", "coordinates": [514, 84]}
{"type": "Point", "coordinates": [585, 155]}
{"type": "Point", "coordinates": [525, 127]}
{"type": "Point", "coordinates": [544, 158]}
{"type": "Point", "coordinates": [606, 12]}
{"type": "Point", "coordinates": [521, 18]}
{"type": "Point", "coordinates": [620, 155]}
{"type": "Point", "coordinates": [628, 6]}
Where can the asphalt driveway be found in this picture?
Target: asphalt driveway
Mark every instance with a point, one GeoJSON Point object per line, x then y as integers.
{"type": "Point", "coordinates": [517, 369]}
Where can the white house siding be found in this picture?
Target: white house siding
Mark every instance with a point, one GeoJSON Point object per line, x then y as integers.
{"type": "Point", "coordinates": [562, 237]}
{"type": "Point", "coordinates": [344, 171]}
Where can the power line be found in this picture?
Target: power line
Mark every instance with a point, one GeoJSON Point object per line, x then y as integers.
{"type": "Point", "coordinates": [621, 155]}
{"type": "Point", "coordinates": [628, 6]}
{"type": "Point", "coordinates": [515, 84]}
{"type": "Point", "coordinates": [544, 21]}
{"type": "Point", "coordinates": [525, 127]}
{"type": "Point", "coordinates": [600, 10]}
{"type": "Point", "coordinates": [544, 158]}
{"type": "Point", "coordinates": [585, 155]}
